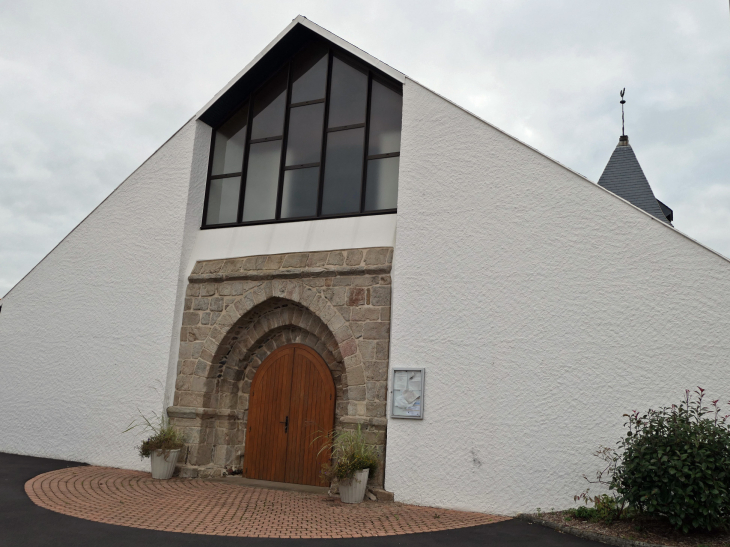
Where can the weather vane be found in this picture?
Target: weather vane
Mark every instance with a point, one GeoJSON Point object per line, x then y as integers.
{"type": "Point", "coordinates": [623, 132]}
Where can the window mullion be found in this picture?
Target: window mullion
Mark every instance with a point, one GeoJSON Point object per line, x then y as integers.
{"type": "Point", "coordinates": [363, 182]}
{"type": "Point", "coordinates": [244, 167]}
{"type": "Point", "coordinates": [207, 184]}
{"type": "Point", "coordinates": [282, 161]}
{"type": "Point", "coordinates": [325, 122]}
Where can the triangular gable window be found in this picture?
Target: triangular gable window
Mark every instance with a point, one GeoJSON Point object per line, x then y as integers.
{"type": "Point", "coordinates": [319, 139]}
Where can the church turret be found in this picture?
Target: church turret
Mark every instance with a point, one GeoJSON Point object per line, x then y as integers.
{"type": "Point", "coordinates": [624, 177]}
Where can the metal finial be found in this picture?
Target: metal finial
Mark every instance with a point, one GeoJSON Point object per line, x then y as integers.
{"type": "Point", "coordinates": [623, 132]}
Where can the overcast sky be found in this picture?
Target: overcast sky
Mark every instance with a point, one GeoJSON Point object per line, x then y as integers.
{"type": "Point", "coordinates": [88, 90]}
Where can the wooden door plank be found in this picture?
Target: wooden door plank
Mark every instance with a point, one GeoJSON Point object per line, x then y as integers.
{"type": "Point", "coordinates": [312, 410]}
{"type": "Point", "coordinates": [265, 452]}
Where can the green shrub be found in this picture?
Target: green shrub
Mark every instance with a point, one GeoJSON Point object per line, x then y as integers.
{"type": "Point", "coordinates": [675, 463]}
{"type": "Point", "coordinates": [350, 454]}
{"type": "Point", "coordinates": [605, 509]}
{"type": "Point", "coordinates": [164, 436]}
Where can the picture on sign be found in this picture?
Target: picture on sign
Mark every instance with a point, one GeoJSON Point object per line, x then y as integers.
{"type": "Point", "coordinates": [407, 393]}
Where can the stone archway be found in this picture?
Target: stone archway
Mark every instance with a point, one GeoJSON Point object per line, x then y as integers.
{"type": "Point", "coordinates": [239, 311]}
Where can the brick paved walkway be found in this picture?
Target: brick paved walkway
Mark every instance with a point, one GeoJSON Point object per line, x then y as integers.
{"type": "Point", "coordinates": [196, 506]}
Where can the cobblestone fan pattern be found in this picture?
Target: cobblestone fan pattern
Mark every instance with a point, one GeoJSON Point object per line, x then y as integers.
{"type": "Point", "coordinates": [238, 311]}
{"type": "Point", "coordinates": [197, 506]}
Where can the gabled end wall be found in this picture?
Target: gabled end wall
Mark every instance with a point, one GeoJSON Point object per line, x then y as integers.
{"type": "Point", "coordinates": [85, 337]}
{"type": "Point", "coordinates": [542, 307]}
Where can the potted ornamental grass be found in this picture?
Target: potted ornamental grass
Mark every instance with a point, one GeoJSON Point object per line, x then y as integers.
{"type": "Point", "coordinates": [352, 462]}
{"type": "Point", "coordinates": [162, 446]}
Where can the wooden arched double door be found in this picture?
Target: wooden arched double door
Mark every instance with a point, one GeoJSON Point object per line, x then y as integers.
{"type": "Point", "coordinates": [292, 402]}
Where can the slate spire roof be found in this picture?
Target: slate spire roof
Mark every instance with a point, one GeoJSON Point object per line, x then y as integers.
{"type": "Point", "coordinates": [624, 177]}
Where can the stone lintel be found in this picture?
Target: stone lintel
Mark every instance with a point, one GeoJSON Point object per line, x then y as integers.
{"type": "Point", "coordinates": [189, 412]}
{"type": "Point", "coordinates": [255, 275]}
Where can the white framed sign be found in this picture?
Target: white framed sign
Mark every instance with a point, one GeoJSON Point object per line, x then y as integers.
{"type": "Point", "coordinates": [406, 393]}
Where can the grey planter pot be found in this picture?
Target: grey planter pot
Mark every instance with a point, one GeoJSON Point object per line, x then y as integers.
{"type": "Point", "coordinates": [353, 490]}
{"type": "Point", "coordinates": [163, 463]}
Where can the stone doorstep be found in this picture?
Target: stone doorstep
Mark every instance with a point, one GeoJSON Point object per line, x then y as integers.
{"type": "Point", "coordinates": [381, 495]}
{"type": "Point", "coordinates": [214, 474]}
{"type": "Point", "coordinates": [271, 485]}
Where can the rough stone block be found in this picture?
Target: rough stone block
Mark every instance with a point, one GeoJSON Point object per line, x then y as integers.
{"type": "Point", "coordinates": [183, 383]}
{"type": "Point", "coordinates": [376, 256]}
{"type": "Point", "coordinates": [382, 349]}
{"type": "Point", "coordinates": [354, 257]}
{"type": "Point", "coordinates": [216, 304]}
{"type": "Point", "coordinates": [202, 368]}
{"type": "Point", "coordinates": [336, 295]}
{"type": "Point", "coordinates": [336, 322]}
{"type": "Point", "coordinates": [376, 370]}
{"type": "Point", "coordinates": [317, 259]}
{"type": "Point", "coordinates": [355, 376]}
{"type": "Point", "coordinates": [202, 384]}
{"type": "Point", "coordinates": [355, 296]}
{"type": "Point", "coordinates": [188, 367]}
{"type": "Point", "coordinates": [376, 391]}
{"type": "Point", "coordinates": [187, 472]}
{"type": "Point", "coordinates": [380, 295]}
{"type": "Point", "coordinates": [356, 393]}
{"type": "Point", "coordinates": [253, 263]}
{"type": "Point", "coordinates": [367, 349]}
{"type": "Point", "coordinates": [348, 347]}
{"type": "Point", "coordinates": [274, 262]}
{"type": "Point", "coordinates": [375, 409]}
{"type": "Point", "coordinates": [336, 258]}
{"type": "Point", "coordinates": [379, 330]}
{"type": "Point", "coordinates": [295, 260]}
{"type": "Point", "coordinates": [356, 408]}
{"type": "Point", "coordinates": [190, 318]}
{"type": "Point", "coordinates": [191, 398]}
{"type": "Point", "coordinates": [201, 304]}
{"type": "Point", "coordinates": [207, 289]}
{"type": "Point", "coordinates": [344, 311]}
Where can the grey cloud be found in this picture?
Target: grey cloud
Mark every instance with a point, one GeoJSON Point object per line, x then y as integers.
{"type": "Point", "coordinates": [89, 89]}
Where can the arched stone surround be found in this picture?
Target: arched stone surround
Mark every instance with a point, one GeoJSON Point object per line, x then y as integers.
{"type": "Point", "coordinates": [238, 311]}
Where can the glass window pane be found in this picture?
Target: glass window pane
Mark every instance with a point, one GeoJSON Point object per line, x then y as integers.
{"type": "Point", "coordinates": [343, 172]}
{"type": "Point", "coordinates": [309, 74]}
{"type": "Point", "coordinates": [348, 95]}
{"type": "Point", "coordinates": [299, 197]}
{"type": "Point", "coordinates": [223, 201]}
{"type": "Point", "coordinates": [381, 191]}
{"type": "Point", "coordinates": [268, 108]}
{"type": "Point", "coordinates": [385, 120]}
{"type": "Point", "coordinates": [304, 143]}
{"type": "Point", "coordinates": [262, 181]}
{"type": "Point", "coordinates": [230, 140]}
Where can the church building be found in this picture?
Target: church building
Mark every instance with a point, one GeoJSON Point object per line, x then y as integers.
{"type": "Point", "coordinates": [329, 244]}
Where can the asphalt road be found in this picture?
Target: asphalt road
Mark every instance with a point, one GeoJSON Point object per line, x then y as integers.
{"type": "Point", "coordinates": [22, 523]}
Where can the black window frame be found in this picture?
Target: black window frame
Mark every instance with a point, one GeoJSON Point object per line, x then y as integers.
{"type": "Point", "coordinates": [333, 51]}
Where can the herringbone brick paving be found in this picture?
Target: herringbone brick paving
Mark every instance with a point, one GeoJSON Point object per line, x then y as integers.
{"type": "Point", "coordinates": [197, 506]}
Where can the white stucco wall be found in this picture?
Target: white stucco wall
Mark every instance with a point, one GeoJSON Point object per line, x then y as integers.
{"type": "Point", "coordinates": [542, 307]}
{"type": "Point", "coordinates": [85, 337]}
{"type": "Point", "coordinates": [92, 333]}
